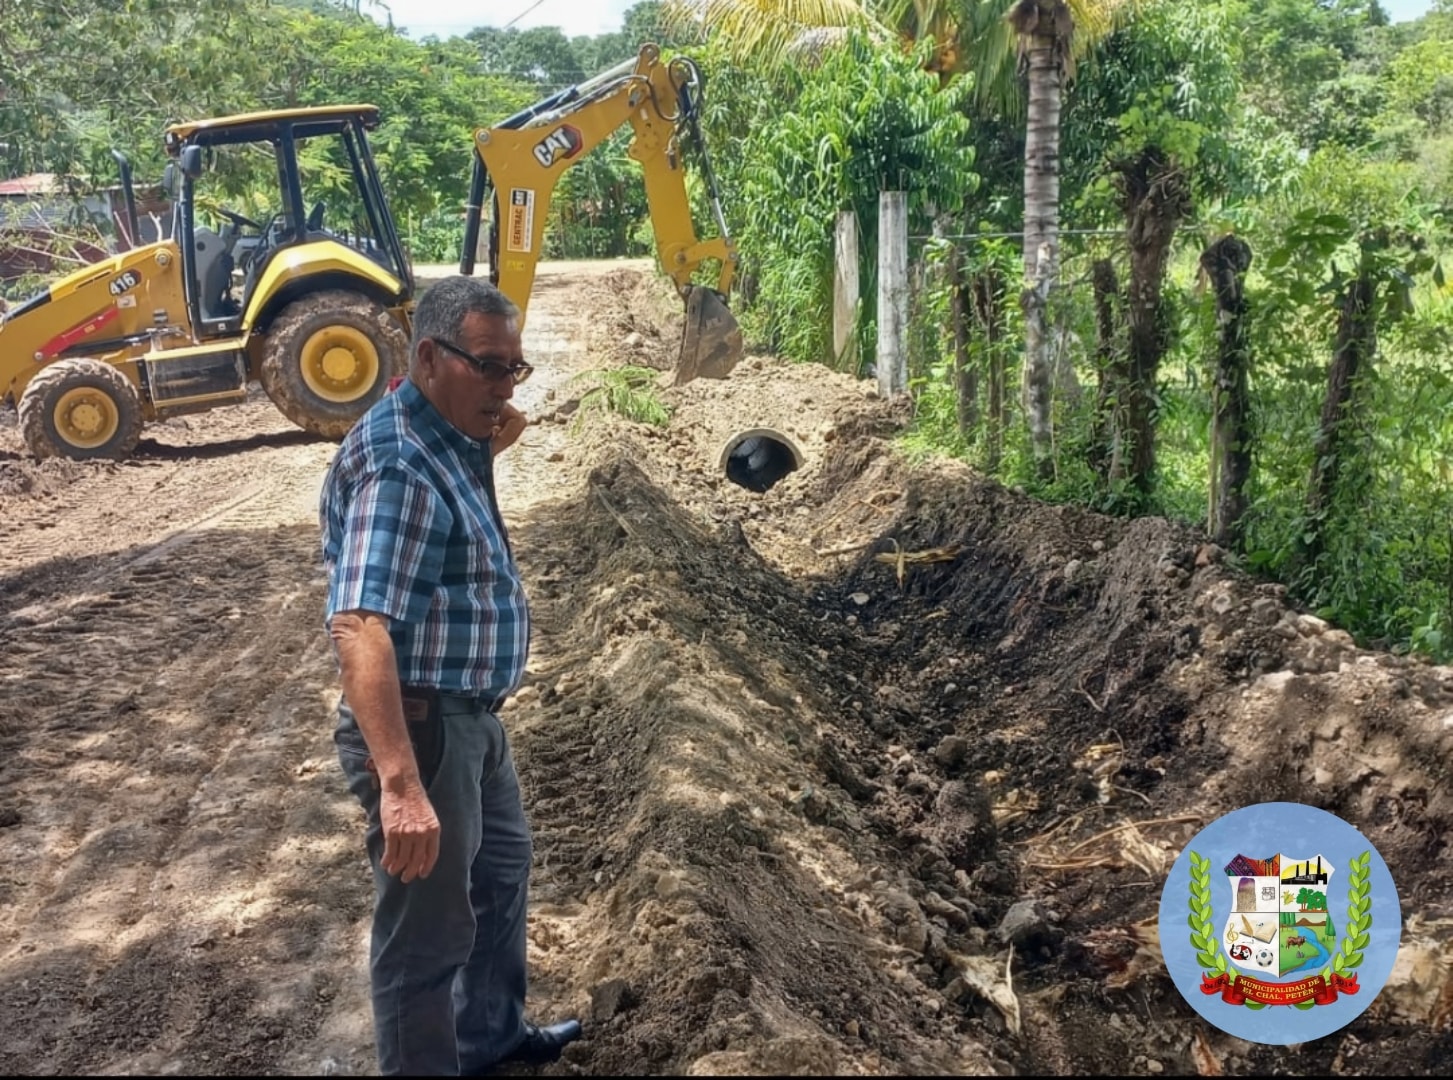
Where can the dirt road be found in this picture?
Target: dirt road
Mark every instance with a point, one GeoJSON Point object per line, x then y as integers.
{"type": "Point", "coordinates": [791, 811]}
{"type": "Point", "coordinates": [181, 886]}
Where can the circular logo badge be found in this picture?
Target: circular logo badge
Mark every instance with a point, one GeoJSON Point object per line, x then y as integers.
{"type": "Point", "coordinates": [1279, 923]}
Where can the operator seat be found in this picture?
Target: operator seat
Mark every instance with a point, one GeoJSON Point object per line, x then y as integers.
{"type": "Point", "coordinates": [214, 274]}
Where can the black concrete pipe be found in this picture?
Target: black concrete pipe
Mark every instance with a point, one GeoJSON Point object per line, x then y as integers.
{"type": "Point", "coordinates": [758, 458]}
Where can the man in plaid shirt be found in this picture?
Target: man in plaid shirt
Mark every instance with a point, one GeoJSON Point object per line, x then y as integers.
{"type": "Point", "coordinates": [431, 631]}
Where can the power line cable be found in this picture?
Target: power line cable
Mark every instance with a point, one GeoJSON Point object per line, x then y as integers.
{"type": "Point", "coordinates": [522, 14]}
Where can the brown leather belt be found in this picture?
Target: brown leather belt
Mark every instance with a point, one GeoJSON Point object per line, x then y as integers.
{"type": "Point", "coordinates": [420, 701]}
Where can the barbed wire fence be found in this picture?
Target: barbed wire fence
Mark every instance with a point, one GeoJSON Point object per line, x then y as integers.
{"type": "Point", "coordinates": [961, 348]}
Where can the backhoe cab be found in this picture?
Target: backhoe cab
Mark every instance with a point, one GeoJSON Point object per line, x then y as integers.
{"type": "Point", "coordinates": [283, 266]}
{"type": "Point", "coordinates": [521, 159]}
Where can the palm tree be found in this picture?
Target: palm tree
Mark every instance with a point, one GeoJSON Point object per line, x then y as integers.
{"type": "Point", "coordinates": [1045, 29]}
{"type": "Point", "coordinates": [976, 36]}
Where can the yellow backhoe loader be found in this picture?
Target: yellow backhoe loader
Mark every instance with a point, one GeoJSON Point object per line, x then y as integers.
{"type": "Point", "coordinates": [522, 158]}
{"type": "Point", "coordinates": [312, 302]}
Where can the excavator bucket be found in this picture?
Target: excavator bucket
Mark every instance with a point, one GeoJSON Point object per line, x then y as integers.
{"type": "Point", "coordinates": [711, 343]}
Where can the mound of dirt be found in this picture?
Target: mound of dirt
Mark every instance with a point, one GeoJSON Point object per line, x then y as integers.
{"type": "Point", "coordinates": [882, 770]}
{"type": "Point", "coordinates": [633, 319]}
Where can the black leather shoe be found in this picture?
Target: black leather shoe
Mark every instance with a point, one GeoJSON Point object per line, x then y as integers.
{"type": "Point", "coordinates": [542, 1045]}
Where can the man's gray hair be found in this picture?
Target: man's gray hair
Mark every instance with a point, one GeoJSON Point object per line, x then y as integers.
{"type": "Point", "coordinates": [442, 309]}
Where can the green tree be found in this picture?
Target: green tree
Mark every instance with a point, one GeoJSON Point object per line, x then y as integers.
{"type": "Point", "coordinates": [1418, 88]}
{"type": "Point", "coordinates": [1292, 51]}
{"type": "Point", "coordinates": [863, 120]}
{"type": "Point", "coordinates": [647, 21]}
{"type": "Point", "coordinates": [430, 98]}
{"type": "Point", "coordinates": [77, 79]}
{"type": "Point", "coordinates": [542, 55]}
{"type": "Point", "coordinates": [1153, 129]}
{"type": "Point", "coordinates": [972, 38]}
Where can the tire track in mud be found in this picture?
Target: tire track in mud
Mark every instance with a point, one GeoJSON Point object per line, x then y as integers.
{"type": "Point", "coordinates": [112, 567]}
{"type": "Point", "coordinates": [156, 714]}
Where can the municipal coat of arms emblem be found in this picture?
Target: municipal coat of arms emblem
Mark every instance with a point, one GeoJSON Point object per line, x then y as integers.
{"type": "Point", "coordinates": [1294, 923]}
{"type": "Point", "coordinates": [1281, 943]}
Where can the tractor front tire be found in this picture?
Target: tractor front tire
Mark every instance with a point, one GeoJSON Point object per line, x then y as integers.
{"type": "Point", "coordinates": [329, 357]}
{"type": "Point", "coordinates": [80, 409]}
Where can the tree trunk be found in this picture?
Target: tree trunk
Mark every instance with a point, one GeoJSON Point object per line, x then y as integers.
{"type": "Point", "coordinates": [987, 297]}
{"type": "Point", "coordinates": [1355, 345]}
{"type": "Point", "coordinates": [1109, 365]}
{"type": "Point", "coordinates": [1225, 263]}
{"type": "Point", "coordinates": [1156, 198]}
{"type": "Point", "coordinates": [1044, 28]}
{"type": "Point", "coordinates": [966, 374]}
{"type": "Point", "coordinates": [1038, 369]}
{"type": "Point", "coordinates": [846, 299]}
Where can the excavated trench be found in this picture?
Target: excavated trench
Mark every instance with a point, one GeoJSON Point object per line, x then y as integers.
{"type": "Point", "coordinates": [880, 769]}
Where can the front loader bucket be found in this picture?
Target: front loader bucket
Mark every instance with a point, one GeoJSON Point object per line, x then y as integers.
{"type": "Point", "coordinates": [711, 343]}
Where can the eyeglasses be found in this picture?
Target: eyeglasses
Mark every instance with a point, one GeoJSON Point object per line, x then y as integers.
{"type": "Point", "coordinates": [490, 369]}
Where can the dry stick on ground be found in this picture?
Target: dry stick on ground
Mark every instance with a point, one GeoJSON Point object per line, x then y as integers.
{"type": "Point", "coordinates": [900, 559]}
{"type": "Point", "coordinates": [626, 526]}
{"type": "Point", "coordinates": [873, 506]}
{"type": "Point", "coordinates": [896, 560]}
{"type": "Point", "coordinates": [929, 555]}
{"type": "Point", "coordinates": [1091, 697]}
{"type": "Point", "coordinates": [1132, 791]}
{"type": "Point", "coordinates": [871, 502]}
{"type": "Point", "coordinates": [1068, 861]}
{"type": "Point", "coordinates": [1067, 822]}
{"type": "Point", "coordinates": [1131, 825]}
{"type": "Point", "coordinates": [1079, 864]}
{"type": "Point", "coordinates": [848, 550]}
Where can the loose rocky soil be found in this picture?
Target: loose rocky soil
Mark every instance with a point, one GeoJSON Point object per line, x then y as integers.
{"type": "Point", "coordinates": [800, 806]}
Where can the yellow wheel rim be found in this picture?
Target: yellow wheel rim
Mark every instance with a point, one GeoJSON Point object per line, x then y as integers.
{"type": "Point", "coordinates": [86, 417]}
{"type": "Point", "coordinates": [339, 363]}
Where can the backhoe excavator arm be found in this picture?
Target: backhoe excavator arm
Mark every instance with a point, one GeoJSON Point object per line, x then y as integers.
{"type": "Point", "coordinates": [522, 159]}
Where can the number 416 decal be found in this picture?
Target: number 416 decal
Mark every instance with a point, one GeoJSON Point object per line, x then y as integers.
{"type": "Point", "coordinates": [122, 282]}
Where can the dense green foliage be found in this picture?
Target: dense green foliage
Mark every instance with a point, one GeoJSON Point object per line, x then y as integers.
{"type": "Point", "coordinates": [860, 122]}
{"type": "Point", "coordinates": [77, 80]}
{"type": "Point", "coordinates": [1314, 129]}
{"type": "Point", "coordinates": [1297, 145]}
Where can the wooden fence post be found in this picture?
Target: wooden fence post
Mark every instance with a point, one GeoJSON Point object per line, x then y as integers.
{"type": "Point", "coordinates": [845, 292]}
{"type": "Point", "coordinates": [892, 293]}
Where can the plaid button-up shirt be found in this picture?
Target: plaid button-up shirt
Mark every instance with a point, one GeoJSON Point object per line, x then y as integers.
{"type": "Point", "coordinates": [411, 530]}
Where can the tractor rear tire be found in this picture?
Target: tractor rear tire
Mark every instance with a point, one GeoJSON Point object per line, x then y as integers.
{"type": "Point", "coordinates": [329, 357]}
{"type": "Point", "coordinates": [80, 409]}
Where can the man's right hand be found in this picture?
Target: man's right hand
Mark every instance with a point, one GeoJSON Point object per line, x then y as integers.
{"type": "Point", "coordinates": [410, 832]}
{"type": "Point", "coordinates": [371, 687]}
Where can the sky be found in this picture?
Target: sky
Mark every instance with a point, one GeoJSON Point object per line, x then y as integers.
{"type": "Point", "coordinates": [1398, 10]}
{"type": "Point", "coordinates": [590, 17]}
